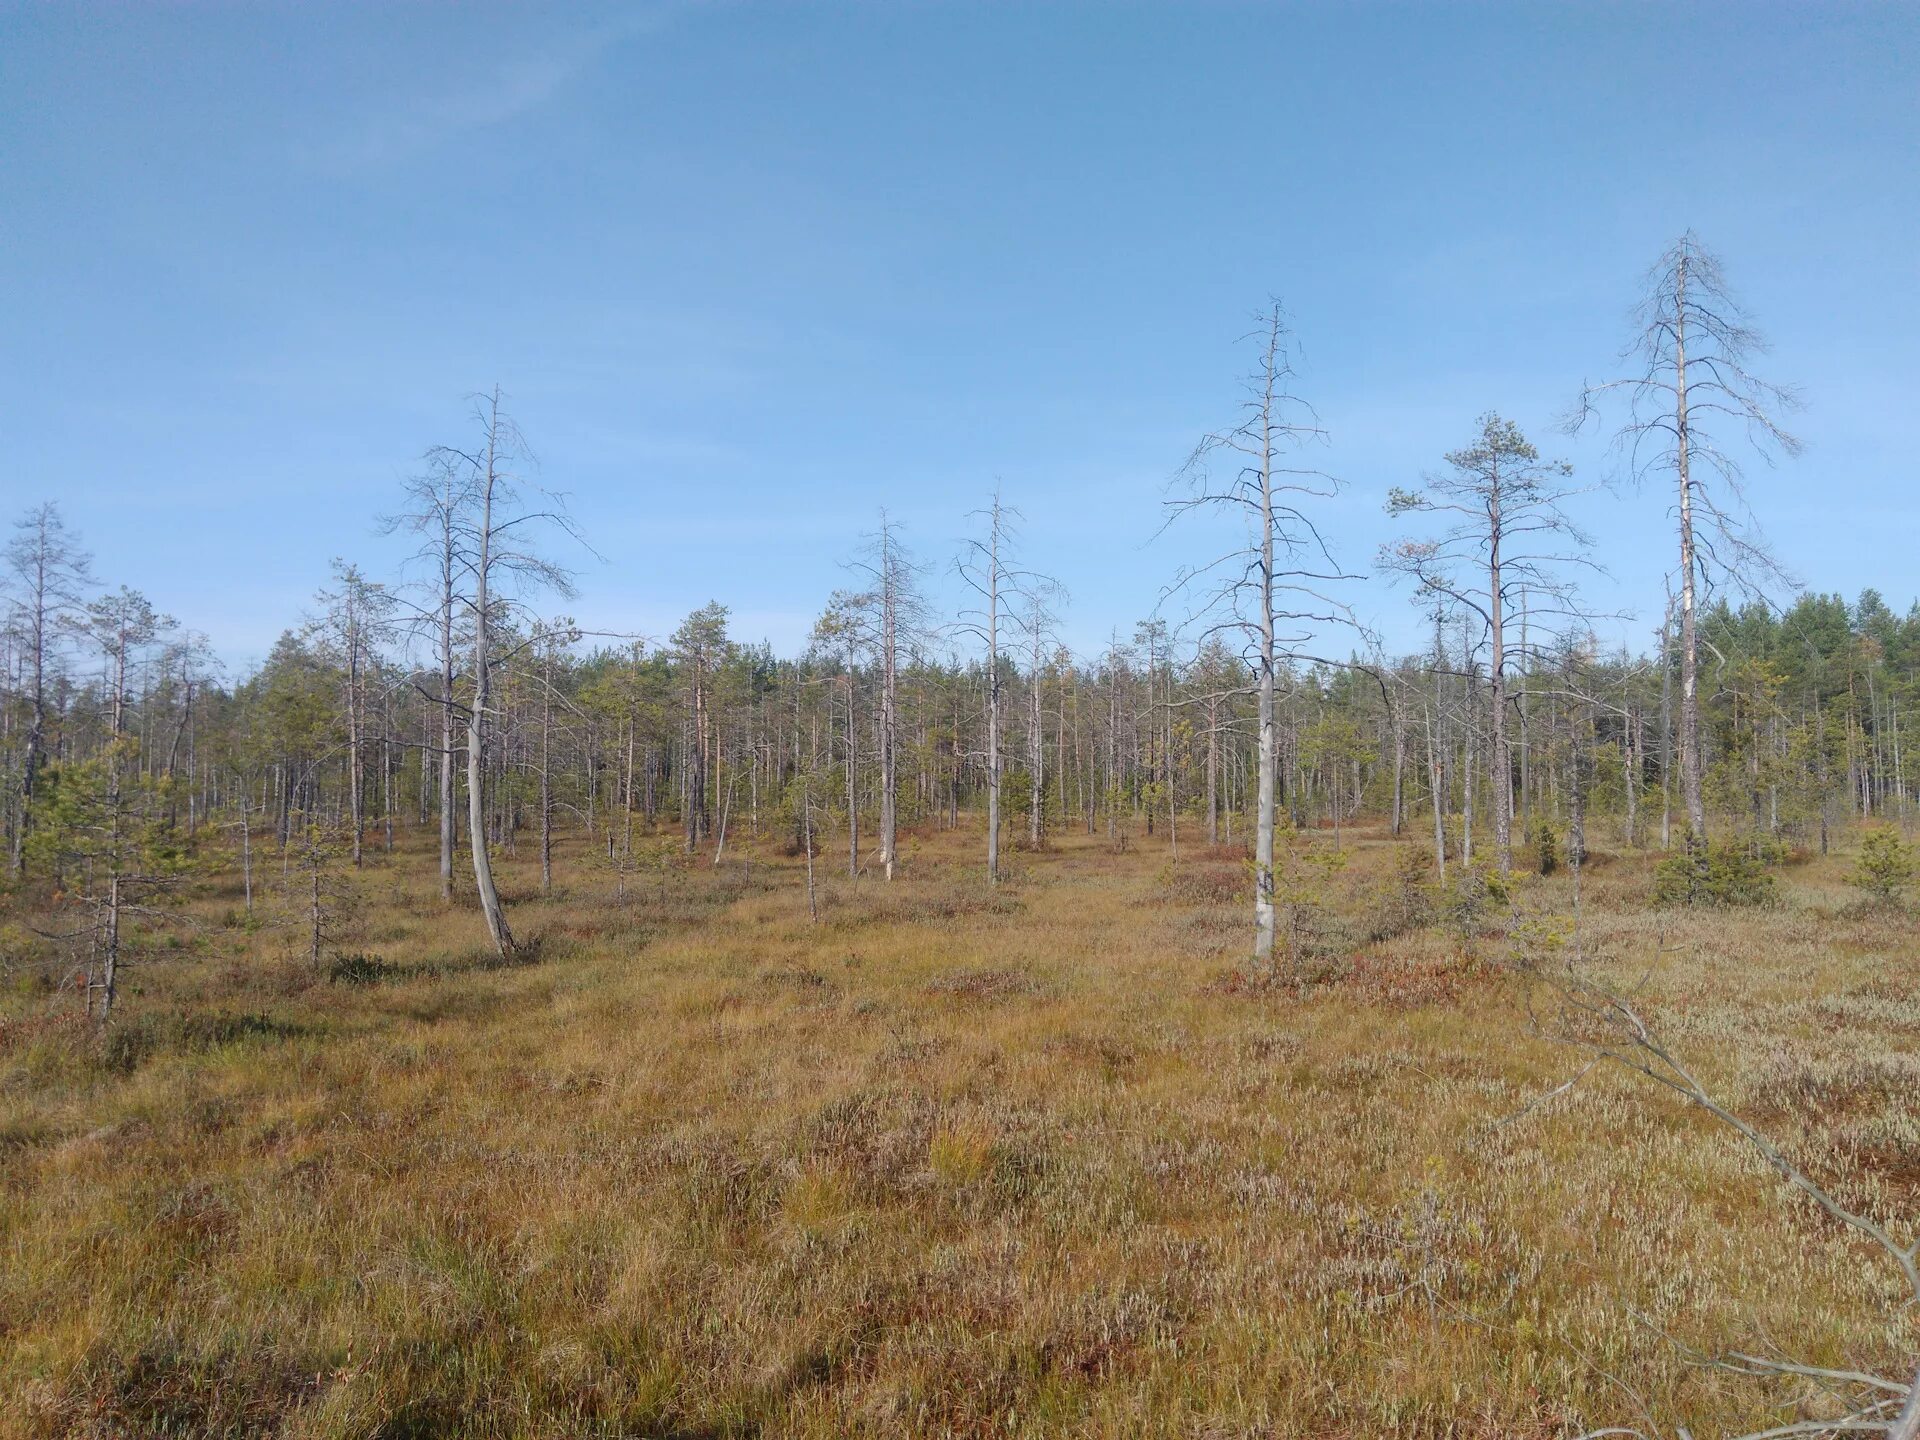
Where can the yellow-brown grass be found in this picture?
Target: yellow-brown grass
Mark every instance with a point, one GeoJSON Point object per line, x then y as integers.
{"type": "Point", "coordinates": [943, 1164]}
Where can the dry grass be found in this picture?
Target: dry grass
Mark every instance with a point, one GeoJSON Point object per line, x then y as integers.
{"type": "Point", "coordinates": [944, 1164]}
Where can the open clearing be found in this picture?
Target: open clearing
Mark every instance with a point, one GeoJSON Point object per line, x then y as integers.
{"type": "Point", "coordinates": [940, 1164]}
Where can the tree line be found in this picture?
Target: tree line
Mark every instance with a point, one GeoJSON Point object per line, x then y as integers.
{"type": "Point", "coordinates": [457, 696]}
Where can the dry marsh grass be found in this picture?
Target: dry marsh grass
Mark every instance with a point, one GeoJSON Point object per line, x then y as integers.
{"type": "Point", "coordinates": [946, 1163]}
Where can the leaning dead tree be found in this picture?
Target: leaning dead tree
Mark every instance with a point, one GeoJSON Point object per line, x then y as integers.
{"type": "Point", "coordinates": [500, 565]}
{"type": "Point", "coordinates": [1270, 591]}
{"type": "Point", "coordinates": [1860, 1401]}
{"type": "Point", "coordinates": [1690, 384]}
{"type": "Point", "coordinates": [1505, 541]}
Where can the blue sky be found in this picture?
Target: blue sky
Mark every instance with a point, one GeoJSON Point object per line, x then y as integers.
{"type": "Point", "coordinates": [749, 272]}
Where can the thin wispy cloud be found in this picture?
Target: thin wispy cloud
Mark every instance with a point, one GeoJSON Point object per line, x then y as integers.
{"type": "Point", "coordinates": [408, 127]}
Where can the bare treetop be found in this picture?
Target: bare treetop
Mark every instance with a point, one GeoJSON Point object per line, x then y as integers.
{"type": "Point", "coordinates": [1256, 471]}
{"type": "Point", "coordinates": [1692, 383]}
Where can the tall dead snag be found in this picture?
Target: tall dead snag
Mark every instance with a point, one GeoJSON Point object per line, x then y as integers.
{"type": "Point", "coordinates": [1269, 590]}
{"type": "Point", "coordinates": [983, 566]}
{"type": "Point", "coordinates": [499, 563]}
{"type": "Point", "coordinates": [1692, 349]}
{"type": "Point", "coordinates": [886, 618]}
{"type": "Point", "coordinates": [1504, 535]}
{"type": "Point", "coordinates": [891, 598]}
{"type": "Point", "coordinates": [439, 508]}
{"type": "Point", "coordinates": [987, 566]}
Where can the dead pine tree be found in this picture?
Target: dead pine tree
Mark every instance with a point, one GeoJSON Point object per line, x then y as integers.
{"type": "Point", "coordinates": [499, 563]}
{"type": "Point", "coordinates": [885, 620]}
{"type": "Point", "coordinates": [1271, 591]}
{"type": "Point", "coordinates": [988, 566]}
{"type": "Point", "coordinates": [893, 600]}
{"type": "Point", "coordinates": [1690, 379]}
{"type": "Point", "coordinates": [983, 567]}
{"type": "Point", "coordinates": [438, 510]}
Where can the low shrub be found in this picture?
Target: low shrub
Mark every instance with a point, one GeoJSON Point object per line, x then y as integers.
{"type": "Point", "coordinates": [125, 1045]}
{"type": "Point", "coordinates": [209, 1030]}
{"type": "Point", "coordinates": [1703, 874]}
{"type": "Point", "coordinates": [357, 970]}
{"type": "Point", "coordinates": [1403, 901]}
{"type": "Point", "coordinates": [1885, 866]}
{"type": "Point", "coordinates": [1546, 848]}
{"type": "Point", "coordinates": [1477, 895]}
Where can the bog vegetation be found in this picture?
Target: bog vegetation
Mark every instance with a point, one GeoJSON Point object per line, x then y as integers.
{"type": "Point", "coordinates": [472, 1023]}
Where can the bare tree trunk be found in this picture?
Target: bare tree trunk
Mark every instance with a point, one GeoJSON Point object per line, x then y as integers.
{"type": "Point", "coordinates": [720, 842]}
{"type": "Point", "coordinates": [446, 720]}
{"type": "Point", "coordinates": [626, 830]}
{"type": "Point", "coordinates": [1263, 887]}
{"type": "Point", "coordinates": [110, 973]}
{"type": "Point", "coordinates": [1666, 726]}
{"type": "Point", "coordinates": [1500, 760]}
{"type": "Point", "coordinates": [853, 785]}
{"type": "Point", "coordinates": [890, 581]}
{"type": "Point", "coordinates": [1635, 740]}
{"type": "Point", "coordinates": [386, 780]}
{"type": "Point", "coordinates": [483, 880]}
{"type": "Point", "coordinates": [1468, 780]}
{"type": "Point", "coordinates": [546, 777]}
{"type": "Point", "coordinates": [1437, 780]}
{"type": "Point", "coordinates": [1213, 771]}
{"type": "Point", "coordinates": [1036, 751]}
{"type": "Point", "coordinates": [1690, 779]}
{"type": "Point", "coordinates": [993, 697]}
{"type": "Point", "coordinates": [355, 769]}
{"type": "Point", "coordinates": [1394, 719]}
{"type": "Point", "coordinates": [1113, 742]}
{"type": "Point", "coordinates": [246, 850]}
{"type": "Point", "coordinates": [1526, 744]}
{"type": "Point", "coordinates": [1906, 1425]}
{"type": "Point", "coordinates": [806, 830]}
